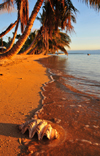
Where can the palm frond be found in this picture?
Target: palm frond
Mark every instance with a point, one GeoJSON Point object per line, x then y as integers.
{"type": "Point", "coordinates": [23, 12]}
{"type": "Point", "coordinates": [93, 3]}
{"type": "Point", "coordinates": [6, 5]}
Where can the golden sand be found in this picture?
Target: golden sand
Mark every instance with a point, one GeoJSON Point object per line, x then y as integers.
{"type": "Point", "coordinates": [21, 80]}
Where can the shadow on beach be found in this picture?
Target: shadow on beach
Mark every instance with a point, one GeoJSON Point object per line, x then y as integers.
{"type": "Point", "coordinates": [9, 129]}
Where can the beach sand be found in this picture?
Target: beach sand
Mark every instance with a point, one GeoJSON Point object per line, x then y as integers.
{"type": "Point", "coordinates": [72, 113]}
{"type": "Point", "coordinates": [21, 79]}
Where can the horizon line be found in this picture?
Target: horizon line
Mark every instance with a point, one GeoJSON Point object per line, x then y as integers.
{"type": "Point", "coordinates": [81, 49]}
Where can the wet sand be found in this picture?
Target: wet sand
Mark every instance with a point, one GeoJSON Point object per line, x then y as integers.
{"type": "Point", "coordinates": [75, 116]}
{"type": "Point", "coordinates": [21, 80]}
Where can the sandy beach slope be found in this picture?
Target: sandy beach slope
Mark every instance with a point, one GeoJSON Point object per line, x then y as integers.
{"type": "Point", "coordinates": [21, 80]}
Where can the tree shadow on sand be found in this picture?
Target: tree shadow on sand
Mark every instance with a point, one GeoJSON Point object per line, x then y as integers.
{"type": "Point", "coordinates": [9, 129]}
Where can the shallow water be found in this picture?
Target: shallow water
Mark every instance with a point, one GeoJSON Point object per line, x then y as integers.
{"type": "Point", "coordinates": [77, 112]}
{"type": "Point", "coordinates": [73, 98]}
{"type": "Point", "coordinates": [78, 70]}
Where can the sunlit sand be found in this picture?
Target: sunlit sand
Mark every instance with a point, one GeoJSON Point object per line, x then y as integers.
{"type": "Point", "coordinates": [21, 79]}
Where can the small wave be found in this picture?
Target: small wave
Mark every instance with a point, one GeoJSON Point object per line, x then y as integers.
{"type": "Point", "coordinates": [88, 141]}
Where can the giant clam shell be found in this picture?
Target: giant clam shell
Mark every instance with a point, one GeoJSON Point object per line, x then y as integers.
{"type": "Point", "coordinates": [41, 127]}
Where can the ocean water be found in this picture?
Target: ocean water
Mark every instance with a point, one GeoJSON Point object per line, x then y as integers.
{"type": "Point", "coordinates": [74, 98]}
{"type": "Point", "coordinates": [79, 70]}
{"type": "Point", "coordinates": [84, 69]}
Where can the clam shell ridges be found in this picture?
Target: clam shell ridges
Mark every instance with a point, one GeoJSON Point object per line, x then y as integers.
{"type": "Point", "coordinates": [41, 127]}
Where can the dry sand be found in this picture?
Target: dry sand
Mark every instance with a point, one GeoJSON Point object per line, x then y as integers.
{"type": "Point", "coordinates": [21, 80]}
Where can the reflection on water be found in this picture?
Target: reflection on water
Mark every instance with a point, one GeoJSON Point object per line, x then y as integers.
{"type": "Point", "coordinates": [78, 112]}
{"type": "Point", "coordinates": [80, 71]}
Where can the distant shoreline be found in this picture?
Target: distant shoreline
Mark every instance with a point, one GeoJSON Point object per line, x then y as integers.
{"type": "Point", "coordinates": [83, 51]}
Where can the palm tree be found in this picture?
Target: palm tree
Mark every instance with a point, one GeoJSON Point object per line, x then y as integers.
{"type": "Point", "coordinates": [12, 25]}
{"type": "Point", "coordinates": [13, 39]}
{"type": "Point", "coordinates": [50, 25]}
{"type": "Point", "coordinates": [23, 13]}
{"type": "Point", "coordinates": [50, 34]}
{"type": "Point", "coordinates": [36, 37]}
{"type": "Point", "coordinates": [51, 20]}
{"type": "Point", "coordinates": [22, 7]}
{"type": "Point", "coordinates": [16, 48]}
{"type": "Point", "coordinates": [58, 42]}
{"type": "Point", "coordinates": [93, 3]}
{"type": "Point", "coordinates": [57, 7]}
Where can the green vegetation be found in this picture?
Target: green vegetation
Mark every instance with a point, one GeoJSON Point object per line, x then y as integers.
{"type": "Point", "coordinates": [57, 15]}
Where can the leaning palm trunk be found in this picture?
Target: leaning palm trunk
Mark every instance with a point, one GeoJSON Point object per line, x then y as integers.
{"type": "Point", "coordinates": [13, 39]}
{"type": "Point", "coordinates": [12, 25]}
{"type": "Point", "coordinates": [31, 45]}
{"type": "Point", "coordinates": [16, 48]}
{"type": "Point", "coordinates": [33, 50]}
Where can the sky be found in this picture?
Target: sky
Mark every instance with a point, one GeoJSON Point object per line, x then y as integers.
{"type": "Point", "coordinates": [86, 35]}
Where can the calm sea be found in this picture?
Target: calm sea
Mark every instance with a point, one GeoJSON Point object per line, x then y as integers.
{"type": "Point", "coordinates": [74, 97]}
{"type": "Point", "coordinates": [79, 70]}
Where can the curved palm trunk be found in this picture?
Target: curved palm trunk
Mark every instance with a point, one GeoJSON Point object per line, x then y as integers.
{"type": "Point", "coordinates": [16, 48]}
{"type": "Point", "coordinates": [31, 45]}
{"type": "Point", "coordinates": [13, 40]}
{"type": "Point", "coordinates": [33, 50]}
{"type": "Point", "coordinates": [12, 25]}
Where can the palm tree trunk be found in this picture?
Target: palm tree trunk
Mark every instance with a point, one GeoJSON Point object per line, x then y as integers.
{"type": "Point", "coordinates": [31, 45]}
{"type": "Point", "coordinates": [16, 48]}
{"type": "Point", "coordinates": [33, 50]}
{"type": "Point", "coordinates": [12, 25]}
{"type": "Point", "coordinates": [13, 39]}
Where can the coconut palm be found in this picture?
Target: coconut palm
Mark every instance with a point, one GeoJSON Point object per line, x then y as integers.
{"type": "Point", "coordinates": [49, 28]}
{"type": "Point", "coordinates": [36, 37]}
{"type": "Point", "coordinates": [11, 26]}
{"type": "Point", "coordinates": [16, 48]}
{"type": "Point", "coordinates": [93, 3]}
{"type": "Point", "coordinates": [56, 6]}
{"type": "Point", "coordinates": [61, 16]}
{"type": "Point", "coordinates": [13, 39]}
{"type": "Point", "coordinates": [63, 20]}
{"type": "Point", "coordinates": [22, 7]}
{"type": "Point", "coordinates": [23, 12]}
{"type": "Point", "coordinates": [58, 42]}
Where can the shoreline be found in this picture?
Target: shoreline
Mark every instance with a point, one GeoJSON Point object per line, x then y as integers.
{"type": "Point", "coordinates": [76, 113]}
{"type": "Point", "coordinates": [51, 79]}
{"type": "Point", "coordinates": [65, 109]}
{"type": "Point", "coordinates": [21, 80]}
